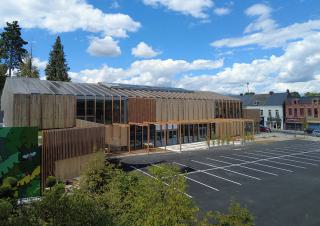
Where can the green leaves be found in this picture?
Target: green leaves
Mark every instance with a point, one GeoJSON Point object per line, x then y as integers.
{"type": "Point", "coordinates": [27, 69]}
{"type": "Point", "coordinates": [110, 196]}
{"type": "Point", "coordinates": [11, 46]}
{"type": "Point", "coordinates": [57, 68]}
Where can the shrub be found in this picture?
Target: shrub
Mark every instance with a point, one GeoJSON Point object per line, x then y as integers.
{"type": "Point", "coordinates": [51, 181]}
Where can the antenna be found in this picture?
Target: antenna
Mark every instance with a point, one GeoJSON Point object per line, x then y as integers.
{"type": "Point", "coordinates": [248, 87]}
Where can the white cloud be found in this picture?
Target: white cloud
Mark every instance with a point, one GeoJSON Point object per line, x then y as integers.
{"type": "Point", "coordinates": [264, 22]}
{"type": "Point", "coordinates": [103, 47]}
{"type": "Point", "coordinates": [144, 50]}
{"type": "Point", "coordinates": [66, 16]}
{"type": "Point", "coordinates": [297, 69]}
{"type": "Point", "coordinates": [222, 11]}
{"type": "Point", "coordinates": [265, 32]}
{"type": "Point", "coordinates": [195, 8]}
{"type": "Point", "coordinates": [41, 65]}
{"type": "Point", "coordinates": [150, 72]}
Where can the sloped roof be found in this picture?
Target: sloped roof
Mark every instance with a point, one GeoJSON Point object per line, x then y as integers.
{"type": "Point", "coordinates": [24, 85]}
{"type": "Point", "coordinates": [304, 99]}
{"type": "Point", "coordinates": [274, 99]}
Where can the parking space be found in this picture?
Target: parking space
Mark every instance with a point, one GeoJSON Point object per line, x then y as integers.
{"type": "Point", "coordinates": [278, 182]}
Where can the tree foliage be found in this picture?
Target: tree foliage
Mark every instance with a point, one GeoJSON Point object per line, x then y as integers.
{"type": "Point", "coordinates": [27, 69]}
{"type": "Point", "coordinates": [110, 196]}
{"type": "Point", "coordinates": [312, 94]}
{"type": "Point", "coordinates": [57, 67]}
{"type": "Point", "coordinates": [11, 46]}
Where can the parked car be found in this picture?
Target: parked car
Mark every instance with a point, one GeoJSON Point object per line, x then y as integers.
{"type": "Point", "coordinates": [316, 133]}
{"type": "Point", "coordinates": [308, 131]}
{"type": "Point", "coordinates": [265, 129]}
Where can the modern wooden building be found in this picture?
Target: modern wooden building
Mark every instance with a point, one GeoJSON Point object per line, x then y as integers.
{"type": "Point", "coordinates": [135, 117]}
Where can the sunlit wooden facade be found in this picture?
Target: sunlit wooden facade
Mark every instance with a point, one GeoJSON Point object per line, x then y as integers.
{"type": "Point", "coordinates": [135, 117]}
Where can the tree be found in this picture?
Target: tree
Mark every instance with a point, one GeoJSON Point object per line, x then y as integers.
{"type": "Point", "coordinates": [312, 94]}
{"type": "Point", "coordinates": [12, 46]}
{"type": "Point", "coordinates": [27, 69]}
{"type": "Point", "coordinates": [57, 68]}
{"type": "Point", "coordinates": [237, 216]}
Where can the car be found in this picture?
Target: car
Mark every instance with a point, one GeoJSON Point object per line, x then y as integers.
{"type": "Point", "coordinates": [308, 131]}
{"type": "Point", "coordinates": [265, 129]}
{"type": "Point", "coordinates": [316, 133]}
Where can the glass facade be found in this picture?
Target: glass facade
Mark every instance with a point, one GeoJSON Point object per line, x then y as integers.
{"type": "Point", "coordinates": [105, 110]}
{"type": "Point", "coordinates": [161, 136]}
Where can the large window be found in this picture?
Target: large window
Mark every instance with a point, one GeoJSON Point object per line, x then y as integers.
{"type": "Point", "coordinates": [124, 112]}
{"type": "Point", "coordinates": [316, 113]}
{"type": "Point", "coordinates": [290, 111]}
{"type": "Point", "coordinates": [301, 112]}
{"type": "Point", "coordinates": [90, 110]}
{"type": "Point", "coordinates": [116, 111]}
{"type": "Point", "coordinates": [309, 112]}
{"type": "Point", "coordinates": [99, 111]}
{"type": "Point", "coordinates": [108, 111]}
{"type": "Point", "coordinates": [81, 108]}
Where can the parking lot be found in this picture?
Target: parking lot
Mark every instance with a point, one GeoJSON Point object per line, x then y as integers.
{"type": "Point", "coordinates": [278, 182]}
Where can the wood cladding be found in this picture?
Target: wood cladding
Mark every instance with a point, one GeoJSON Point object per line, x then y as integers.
{"type": "Point", "coordinates": [142, 110]}
{"type": "Point", "coordinates": [62, 144]}
{"type": "Point", "coordinates": [115, 134]}
{"type": "Point", "coordinates": [44, 111]}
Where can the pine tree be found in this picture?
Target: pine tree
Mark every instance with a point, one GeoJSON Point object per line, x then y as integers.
{"type": "Point", "coordinates": [57, 68]}
{"type": "Point", "coordinates": [11, 48]}
{"type": "Point", "coordinates": [27, 69]}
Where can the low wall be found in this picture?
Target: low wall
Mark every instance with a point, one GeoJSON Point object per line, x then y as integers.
{"type": "Point", "coordinates": [68, 143]}
{"type": "Point", "coordinates": [71, 167]}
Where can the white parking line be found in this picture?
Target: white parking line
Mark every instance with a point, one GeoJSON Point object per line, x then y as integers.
{"type": "Point", "coordinates": [260, 164]}
{"type": "Point", "coordinates": [281, 152]}
{"type": "Point", "coordinates": [222, 178]}
{"type": "Point", "coordinates": [312, 155]}
{"type": "Point", "coordinates": [246, 167]}
{"type": "Point", "coordinates": [295, 148]}
{"type": "Point", "coordinates": [159, 180]}
{"type": "Point", "coordinates": [281, 163]}
{"type": "Point", "coordinates": [198, 182]}
{"type": "Point", "coordinates": [290, 160]}
{"type": "Point", "coordinates": [246, 175]}
{"type": "Point", "coordinates": [259, 160]}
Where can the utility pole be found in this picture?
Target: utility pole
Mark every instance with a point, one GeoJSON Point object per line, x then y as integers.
{"type": "Point", "coordinates": [30, 66]}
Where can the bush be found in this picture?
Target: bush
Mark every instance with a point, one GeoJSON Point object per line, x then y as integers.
{"type": "Point", "coordinates": [6, 191]}
{"type": "Point", "coordinates": [51, 181]}
{"type": "Point", "coordinates": [13, 182]}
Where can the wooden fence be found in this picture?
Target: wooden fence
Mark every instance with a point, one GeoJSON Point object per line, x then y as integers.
{"type": "Point", "coordinates": [62, 144]}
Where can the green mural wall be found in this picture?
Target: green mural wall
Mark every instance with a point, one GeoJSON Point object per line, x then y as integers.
{"type": "Point", "coordinates": [20, 158]}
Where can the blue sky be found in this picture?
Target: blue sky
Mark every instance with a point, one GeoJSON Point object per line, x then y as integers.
{"type": "Point", "coordinates": [211, 45]}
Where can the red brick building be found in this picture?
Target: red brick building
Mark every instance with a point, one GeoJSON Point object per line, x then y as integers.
{"type": "Point", "coordinates": [303, 113]}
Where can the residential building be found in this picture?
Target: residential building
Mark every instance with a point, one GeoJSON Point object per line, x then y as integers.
{"type": "Point", "coordinates": [271, 107]}
{"type": "Point", "coordinates": [303, 113]}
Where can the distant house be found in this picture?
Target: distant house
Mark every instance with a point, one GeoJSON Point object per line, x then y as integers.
{"type": "Point", "coordinates": [271, 106]}
{"type": "Point", "coordinates": [302, 113]}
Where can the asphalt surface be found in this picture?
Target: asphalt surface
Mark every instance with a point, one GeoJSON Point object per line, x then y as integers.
{"type": "Point", "coordinates": [278, 182]}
